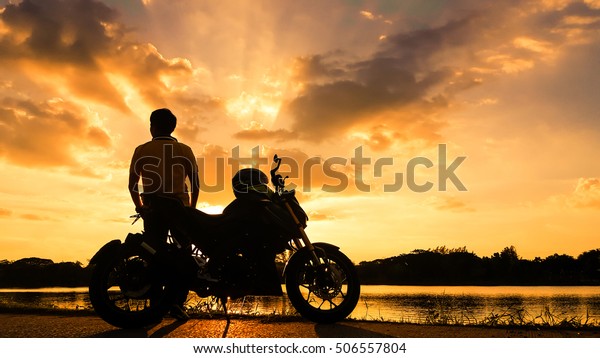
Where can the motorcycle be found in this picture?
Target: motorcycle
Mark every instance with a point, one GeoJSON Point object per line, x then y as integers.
{"type": "Point", "coordinates": [230, 255]}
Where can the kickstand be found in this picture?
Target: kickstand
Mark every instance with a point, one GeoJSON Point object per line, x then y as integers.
{"type": "Point", "coordinates": [224, 304]}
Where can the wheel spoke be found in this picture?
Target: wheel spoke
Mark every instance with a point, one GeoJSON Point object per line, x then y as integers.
{"type": "Point", "coordinates": [344, 276]}
{"type": "Point", "coordinates": [331, 303]}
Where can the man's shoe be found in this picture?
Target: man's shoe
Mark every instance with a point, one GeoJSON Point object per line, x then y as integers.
{"type": "Point", "coordinates": [179, 313]}
{"type": "Point", "coordinates": [207, 277]}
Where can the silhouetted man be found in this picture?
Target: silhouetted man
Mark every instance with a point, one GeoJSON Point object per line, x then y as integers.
{"type": "Point", "coordinates": [167, 168]}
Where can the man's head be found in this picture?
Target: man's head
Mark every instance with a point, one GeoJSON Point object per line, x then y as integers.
{"type": "Point", "coordinates": [162, 122]}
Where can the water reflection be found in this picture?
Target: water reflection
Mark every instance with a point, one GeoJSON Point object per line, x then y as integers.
{"type": "Point", "coordinates": [461, 304]}
{"type": "Point", "coordinates": [472, 304]}
{"type": "Point", "coordinates": [71, 300]}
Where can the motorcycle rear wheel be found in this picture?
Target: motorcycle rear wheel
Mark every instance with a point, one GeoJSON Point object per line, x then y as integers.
{"type": "Point", "coordinates": [325, 293]}
{"type": "Point", "coordinates": [127, 289]}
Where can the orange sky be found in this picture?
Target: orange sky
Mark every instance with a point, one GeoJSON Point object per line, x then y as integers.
{"type": "Point", "coordinates": [510, 85]}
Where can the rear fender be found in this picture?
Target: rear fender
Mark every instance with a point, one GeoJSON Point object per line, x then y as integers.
{"type": "Point", "coordinates": [113, 246]}
{"type": "Point", "coordinates": [109, 249]}
{"type": "Point", "coordinates": [299, 255]}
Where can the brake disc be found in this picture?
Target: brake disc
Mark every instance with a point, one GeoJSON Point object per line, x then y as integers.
{"type": "Point", "coordinates": [327, 283]}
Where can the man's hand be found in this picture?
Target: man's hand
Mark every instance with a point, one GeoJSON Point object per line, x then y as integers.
{"type": "Point", "coordinates": [143, 211]}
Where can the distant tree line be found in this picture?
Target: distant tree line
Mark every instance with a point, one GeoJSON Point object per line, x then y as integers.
{"type": "Point", "coordinates": [443, 266]}
{"type": "Point", "coordinates": [35, 273]}
{"type": "Point", "coordinates": [439, 266]}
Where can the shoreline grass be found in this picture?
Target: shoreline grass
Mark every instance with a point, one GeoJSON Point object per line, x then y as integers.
{"type": "Point", "coordinates": [514, 318]}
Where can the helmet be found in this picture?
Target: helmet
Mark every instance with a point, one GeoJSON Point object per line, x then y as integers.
{"type": "Point", "coordinates": [251, 183]}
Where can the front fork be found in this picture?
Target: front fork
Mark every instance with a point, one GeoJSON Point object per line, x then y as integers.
{"type": "Point", "coordinates": [311, 249]}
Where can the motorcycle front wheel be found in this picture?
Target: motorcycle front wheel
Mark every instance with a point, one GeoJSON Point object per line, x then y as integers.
{"type": "Point", "coordinates": [128, 290]}
{"type": "Point", "coordinates": [323, 292]}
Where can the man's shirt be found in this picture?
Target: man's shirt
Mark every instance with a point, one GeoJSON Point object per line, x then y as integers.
{"type": "Point", "coordinates": [164, 164]}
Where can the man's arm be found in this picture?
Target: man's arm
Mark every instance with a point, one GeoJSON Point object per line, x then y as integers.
{"type": "Point", "coordinates": [134, 190]}
{"type": "Point", "coordinates": [195, 189]}
{"type": "Point", "coordinates": [192, 174]}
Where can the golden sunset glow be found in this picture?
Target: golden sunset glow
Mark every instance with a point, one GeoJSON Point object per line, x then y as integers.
{"type": "Point", "coordinates": [512, 86]}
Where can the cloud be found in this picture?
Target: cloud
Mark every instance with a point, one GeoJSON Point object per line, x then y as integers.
{"type": "Point", "coordinates": [34, 217]}
{"type": "Point", "coordinates": [319, 67]}
{"type": "Point", "coordinates": [381, 137]}
{"type": "Point", "coordinates": [320, 216]}
{"type": "Point", "coordinates": [144, 68]}
{"type": "Point", "coordinates": [262, 134]}
{"type": "Point", "coordinates": [586, 194]}
{"type": "Point", "coordinates": [449, 203]}
{"type": "Point", "coordinates": [5, 213]}
{"type": "Point", "coordinates": [46, 134]}
{"type": "Point", "coordinates": [62, 40]}
{"type": "Point", "coordinates": [399, 77]}
{"type": "Point", "coordinates": [367, 14]}
{"type": "Point", "coordinates": [57, 31]}
{"type": "Point", "coordinates": [415, 77]}
{"type": "Point", "coordinates": [82, 46]}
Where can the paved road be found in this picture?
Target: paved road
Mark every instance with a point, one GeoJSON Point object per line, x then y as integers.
{"type": "Point", "coordinates": [68, 326]}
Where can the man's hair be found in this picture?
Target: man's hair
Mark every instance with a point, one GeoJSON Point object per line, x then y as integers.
{"type": "Point", "coordinates": [163, 121]}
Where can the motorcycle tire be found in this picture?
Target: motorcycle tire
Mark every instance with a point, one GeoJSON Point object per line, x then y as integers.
{"type": "Point", "coordinates": [128, 290]}
{"type": "Point", "coordinates": [326, 293]}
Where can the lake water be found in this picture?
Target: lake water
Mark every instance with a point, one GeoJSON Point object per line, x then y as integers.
{"type": "Point", "coordinates": [417, 304]}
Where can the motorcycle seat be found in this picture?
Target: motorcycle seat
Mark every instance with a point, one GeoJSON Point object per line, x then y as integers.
{"type": "Point", "coordinates": [206, 220]}
{"type": "Point", "coordinates": [239, 210]}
